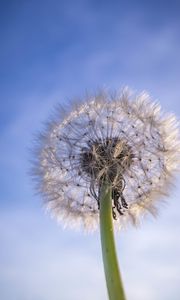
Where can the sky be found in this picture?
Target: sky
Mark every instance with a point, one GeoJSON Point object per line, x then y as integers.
{"type": "Point", "coordinates": [53, 51]}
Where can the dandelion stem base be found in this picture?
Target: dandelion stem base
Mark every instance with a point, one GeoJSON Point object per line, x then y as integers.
{"type": "Point", "coordinates": [112, 273]}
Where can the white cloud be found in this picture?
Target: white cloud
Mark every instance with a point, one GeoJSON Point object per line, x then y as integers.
{"type": "Point", "coordinates": [41, 261]}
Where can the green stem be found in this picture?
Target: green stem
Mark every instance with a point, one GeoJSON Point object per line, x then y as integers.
{"type": "Point", "coordinates": [113, 278]}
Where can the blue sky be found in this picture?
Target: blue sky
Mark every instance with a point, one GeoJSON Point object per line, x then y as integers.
{"type": "Point", "coordinates": [50, 52]}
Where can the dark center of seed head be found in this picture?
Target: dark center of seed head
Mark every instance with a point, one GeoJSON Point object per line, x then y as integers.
{"type": "Point", "coordinates": [108, 159]}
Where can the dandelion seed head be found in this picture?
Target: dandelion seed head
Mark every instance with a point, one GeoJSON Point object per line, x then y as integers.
{"type": "Point", "coordinates": [125, 139]}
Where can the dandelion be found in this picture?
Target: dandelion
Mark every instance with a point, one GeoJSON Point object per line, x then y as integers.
{"type": "Point", "coordinates": [109, 160]}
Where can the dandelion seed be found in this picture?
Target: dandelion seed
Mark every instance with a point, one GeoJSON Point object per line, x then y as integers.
{"type": "Point", "coordinates": [126, 140]}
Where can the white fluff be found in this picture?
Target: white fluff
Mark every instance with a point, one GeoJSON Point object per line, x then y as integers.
{"type": "Point", "coordinates": [152, 136]}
